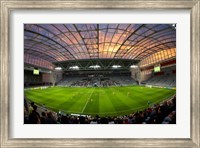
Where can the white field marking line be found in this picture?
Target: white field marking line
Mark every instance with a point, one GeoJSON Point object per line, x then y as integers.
{"type": "Point", "coordinates": [87, 101]}
{"type": "Point", "coordinates": [167, 98]}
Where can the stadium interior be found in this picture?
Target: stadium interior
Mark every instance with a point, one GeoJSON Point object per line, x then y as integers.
{"type": "Point", "coordinates": [98, 57]}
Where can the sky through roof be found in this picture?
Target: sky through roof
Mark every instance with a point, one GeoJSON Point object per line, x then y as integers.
{"type": "Point", "coordinates": [64, 42]}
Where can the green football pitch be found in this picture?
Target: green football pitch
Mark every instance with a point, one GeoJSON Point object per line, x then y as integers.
{"type": "Point", "coordinates": [104, 101]}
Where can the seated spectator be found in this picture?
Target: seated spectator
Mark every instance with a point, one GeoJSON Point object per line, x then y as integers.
{"type": "Point", "coordinates": [169, 118]}
{"type": "Point", "coordinates": [26, 105]}
{"type": "Point", "coordinates": [64, 120]}
{"type": "Point", "coordinates": [94, 121]}
{"type": "Point", "coordinates": [50, 119]}
{"type": "Point", "coordinates": [82, 119]}
{"type": "Point", "coordinates": [34, 117]}
{"type": "Point", "coordinates": [43, 118]}
{"type": "Point", "coordinates": [104, 120]}
{"type": "Point", "coordinates": [125, 120]}
{"type": "Point", "coordinates": [31, 107]}
{"type": "Point", "coordinates": [111, 120]}
{"type": "Point", "coordinates": [26, 116]}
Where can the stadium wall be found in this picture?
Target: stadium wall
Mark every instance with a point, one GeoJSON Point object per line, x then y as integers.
{"type": "Point", "coordinates": [48, 77]}
{"type": "Point", "coordinates": [32, 80]}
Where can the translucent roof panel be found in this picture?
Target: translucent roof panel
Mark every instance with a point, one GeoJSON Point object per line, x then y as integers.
{"type": "Point", "coordinates": [63, 42]}
{"type": "Point", "coordinates": [35, 60]}
{"type": "Point", "coordinates": [158, 56]}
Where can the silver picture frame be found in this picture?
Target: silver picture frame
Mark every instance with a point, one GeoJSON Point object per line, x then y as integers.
{"type": "Point", "coordinates": [193, 5]}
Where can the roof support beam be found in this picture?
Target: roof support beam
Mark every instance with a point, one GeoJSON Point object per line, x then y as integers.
{"type": "Point", "coordinates": [128, 38]}
{"type": "Point", "coordinates": [51, 40]}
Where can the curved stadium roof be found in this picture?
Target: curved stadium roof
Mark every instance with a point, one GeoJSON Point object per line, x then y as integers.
{"type": "Point", "coordinates": [56, 43]}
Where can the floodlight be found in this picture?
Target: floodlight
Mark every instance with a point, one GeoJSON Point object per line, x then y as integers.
{"type": "Point", "coordinates": [58, 68]}
{"type": "Point", "coordinates": [116, 66]}
{"type": "Point", "coordinates": [74, 67]}
{"type": "Point", "coordinates": [134, 66]}
{"type": "Point", "coordinates": [95, 66]}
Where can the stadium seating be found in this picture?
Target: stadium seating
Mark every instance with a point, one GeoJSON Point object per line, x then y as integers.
{"type": "Point", "coordinates": [101, 82]}
{"type": "Point", "coordinates": [162, 80]}
{"type": "Point", "coordinates": [157, 80]}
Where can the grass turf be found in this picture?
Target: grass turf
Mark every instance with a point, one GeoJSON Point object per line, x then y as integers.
{"type": "Point", "coordinates": [107, 101]}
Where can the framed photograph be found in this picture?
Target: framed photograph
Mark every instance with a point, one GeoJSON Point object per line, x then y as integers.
{"type": "Point", "coordinates": [126, 73]}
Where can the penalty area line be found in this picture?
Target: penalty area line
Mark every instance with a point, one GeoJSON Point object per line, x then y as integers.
{"type": "Point", "coordinates": [87, 101]}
